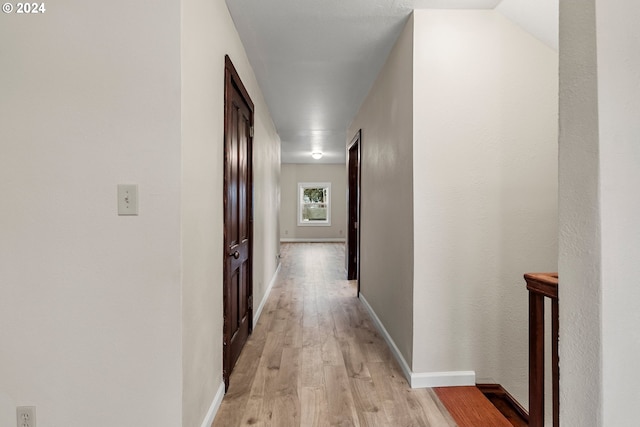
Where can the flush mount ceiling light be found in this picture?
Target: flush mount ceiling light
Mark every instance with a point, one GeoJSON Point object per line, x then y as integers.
{"type": "Point", "coordinates": [316, 155]}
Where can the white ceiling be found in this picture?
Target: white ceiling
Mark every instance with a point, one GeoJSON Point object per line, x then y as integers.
{"type": "Point", "coordinates": [316, 60]}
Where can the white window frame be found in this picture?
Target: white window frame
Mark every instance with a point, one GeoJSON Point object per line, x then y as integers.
{"type": "Point", "coordinates": [301, 187]}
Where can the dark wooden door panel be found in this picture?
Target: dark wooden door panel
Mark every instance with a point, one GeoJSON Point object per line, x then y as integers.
{"type": "Point", "coordinates": [238, 288]}
{"type": "Point", "coordinates": [353, 233]}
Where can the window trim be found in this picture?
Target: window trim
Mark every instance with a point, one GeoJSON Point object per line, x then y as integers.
{"type": "Point", "coordinates": [301, 187]}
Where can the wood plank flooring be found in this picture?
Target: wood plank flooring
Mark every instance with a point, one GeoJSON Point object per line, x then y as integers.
{"type": "Point", "coordinates": [315, 358]}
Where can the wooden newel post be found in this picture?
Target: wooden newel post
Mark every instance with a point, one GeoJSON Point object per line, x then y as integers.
{"type": "Point", "coordinates": [541, 285]}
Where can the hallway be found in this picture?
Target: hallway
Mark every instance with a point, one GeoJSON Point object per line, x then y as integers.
{"type": "Point", "coordinates": [315, 358]}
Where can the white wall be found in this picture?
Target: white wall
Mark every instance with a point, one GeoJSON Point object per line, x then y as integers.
{"type": "Point", "coordinates": [209, 34]}
{"type": "Point", "coordinates": [89, 300]}
{"type": "Point", "coordinates": [108, 320]}
{"type": "Point", "coordinates": [579, 263]}
{"type": "Point", "coordinates": [478, 127]}
{"type": "Point", "coordinates": [292, 174]}
{"type": "Point", "coordinates": [599, 227]}
{"type": "Point", "coordinates": [485, 190]}
{"type": "Point", "coordinates": [386, 256]}
{"type": "Point", "coordinates": [619, 134]}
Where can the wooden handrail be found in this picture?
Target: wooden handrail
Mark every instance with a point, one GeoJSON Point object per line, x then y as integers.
{"type": "Point", "coordinates": [541, 285]}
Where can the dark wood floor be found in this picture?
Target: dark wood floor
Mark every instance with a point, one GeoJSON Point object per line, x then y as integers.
{"type": "Point", "coordinates": [315, 359]}
{"type": "Point", "coordinates": [506, 404]}
{"type": "Point", "coordinates": [470, 408]}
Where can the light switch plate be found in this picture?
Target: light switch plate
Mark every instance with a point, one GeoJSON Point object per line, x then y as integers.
{"type": "Point", "coordinates": [127, 199]}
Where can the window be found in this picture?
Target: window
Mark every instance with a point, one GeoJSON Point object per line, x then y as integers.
{"type": "Point", "coordinates": [314, 203]}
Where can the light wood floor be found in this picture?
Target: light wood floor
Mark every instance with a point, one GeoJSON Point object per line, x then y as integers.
{"type": "Point", "coordinates": [315, 358]}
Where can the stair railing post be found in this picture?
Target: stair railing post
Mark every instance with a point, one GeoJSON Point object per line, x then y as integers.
{"type": "Point", "coordinates": [541, 285]}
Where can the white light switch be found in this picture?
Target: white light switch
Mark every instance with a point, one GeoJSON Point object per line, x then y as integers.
{"type": "Point", "coordinates": [127, 199]}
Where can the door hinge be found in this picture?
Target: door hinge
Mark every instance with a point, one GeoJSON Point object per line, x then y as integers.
{"type": "Point", "coordinates": [250, 302]}
{"type": "Point", "coordinates": [251, 131]}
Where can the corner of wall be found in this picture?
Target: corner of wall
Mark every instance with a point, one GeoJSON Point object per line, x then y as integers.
{"type": "Point", "coordinates": [214, 407]}
{"type": "Point", "coordinates": [419, 379]}
{"type": "Point", "coordinates": [485, 189]}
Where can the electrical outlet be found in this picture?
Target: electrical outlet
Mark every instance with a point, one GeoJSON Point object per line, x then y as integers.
{"type": "Point", "coordinates": [26, 416]}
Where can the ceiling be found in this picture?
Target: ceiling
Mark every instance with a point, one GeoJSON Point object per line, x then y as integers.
{"type": "Point", "coordinates": [315, 61]}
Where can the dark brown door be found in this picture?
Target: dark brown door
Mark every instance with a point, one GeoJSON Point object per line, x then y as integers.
{"type": "Point", "coordinates": [238, 287]}
{"type": "Point", "coordinates": [353, 235]}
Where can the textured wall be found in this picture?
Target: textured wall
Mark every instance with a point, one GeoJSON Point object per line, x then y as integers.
{"type": "Point", "coordinates": [485, 190]}
{"type": "Point", "coordinates": [108, 320]}
{"type": "Point", "coordinates": [89, 300]}
{"type": "Point", "coordinates": [386, 256]}
{"type": "Point", "coordinates": [579, 262]}
{"type": "Point", "coordinates": [209, 34]}
{"type": "Point", "coordinates": [619, 129]}
{"type": "Point", "coordinates": [599, 228]}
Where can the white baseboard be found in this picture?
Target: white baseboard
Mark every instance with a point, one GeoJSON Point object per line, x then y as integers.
{"type": "Point", "coordinates": [392, 345]}
{"type": "Point", "coordinates": [317, 240]}
{"type": "Point", "coordinates": [443, 379]}
{"type": "Point", "coordinates": [215, 405]}
{"type": "Point", "coordinates": [420, 379]}
{"type": "Point", "coordinates": [258, 312]}
{"type": "Point", "coordinates": [217, 400]}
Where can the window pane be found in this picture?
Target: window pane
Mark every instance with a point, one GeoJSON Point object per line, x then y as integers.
{"type": "Point", "coordinates": [314, 203]}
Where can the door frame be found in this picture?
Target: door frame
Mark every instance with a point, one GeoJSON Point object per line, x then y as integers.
{"type": "Point", "coordinates": [231, 81]}
{"type": "Point", "coordinates": [354, 207]}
